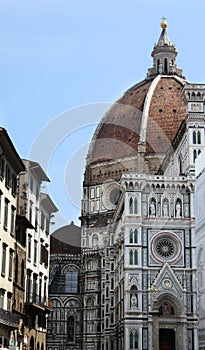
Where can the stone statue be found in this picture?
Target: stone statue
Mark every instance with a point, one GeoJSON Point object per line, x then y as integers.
{"type": "Point", "coordinates": [152, 209]}
{"type": "Point", "coordinates": [133, 300]}
{"type": "Point", "coordinates": [178, 210]}
{"type": "Point", "coordinates": [165, 209]}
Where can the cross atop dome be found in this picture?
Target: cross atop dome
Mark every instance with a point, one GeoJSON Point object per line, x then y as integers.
{"type": "Point", "coordinates": [164, 55]}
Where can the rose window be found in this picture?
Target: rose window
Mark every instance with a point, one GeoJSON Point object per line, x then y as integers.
{"type": "Point", "coordinates": [165, 248]}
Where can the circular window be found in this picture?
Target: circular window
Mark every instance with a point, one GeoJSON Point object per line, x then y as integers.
{"type": "Point", "coordinates": [115, 196]}
{"type": "Point", "coordinates": [111, 195]}
{"type": "Point", "coordinates": [166, 246]}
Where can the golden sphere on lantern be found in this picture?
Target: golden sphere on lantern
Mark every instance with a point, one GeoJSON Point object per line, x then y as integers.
{"type": "Point", "coordinates": [163, 23]}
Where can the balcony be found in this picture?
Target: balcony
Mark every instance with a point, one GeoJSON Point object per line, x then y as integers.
{"type": "Point", "coordinates": [36, 301]}
{"type": "Point", "coordinates": [49, 304]}
{"type": "Point", "coordinates": [9, 319]}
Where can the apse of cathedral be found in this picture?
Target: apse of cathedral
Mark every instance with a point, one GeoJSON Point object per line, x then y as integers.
{"type": "Point", "coordinates": [128, 278]}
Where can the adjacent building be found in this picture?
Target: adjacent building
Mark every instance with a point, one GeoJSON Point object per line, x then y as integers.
{"type": "Point", "coordinates": [10, 166]}
{"type": "Point", "coordinates": [37, 208]}
{"type": "Point", "coordinates": [25, 217]}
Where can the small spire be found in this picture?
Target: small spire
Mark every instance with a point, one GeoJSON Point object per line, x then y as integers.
{"type": "Point", "coordinates": [164, 39]}
{"type": "Point", "coordinates": [164, 55]}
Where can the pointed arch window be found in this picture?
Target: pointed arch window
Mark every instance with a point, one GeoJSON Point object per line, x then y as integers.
{"type": "Point", "coordinates": [71, 329]}
{"type": "Point", "coordinates": [133, 236]}
{"type": "Point", "coordinates": [135, 206]}
{"type": "Point", "coordinates": [158, 65]}
{"type": "Point", "coordinates": [165, 66]}
{"type": "Point", "coordinates": [199, 137]}
{"type": "Point", "coordinates": [133, 340]}
{"type": "Point", "coordinates": [194, 137]}
{"type": "Point", "coordinates": [133, 257]}
{"type": "Point", "coordinates": [71, 282]}
{"type": "Point", "coordinates": [194, 155]}
{"type": "Point", "coordinates": [131, 205]}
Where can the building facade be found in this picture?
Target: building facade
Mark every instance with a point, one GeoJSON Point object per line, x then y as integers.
{"type": "Point", "coordinates": [25, 217]}
{"type": "Point", "coordinates": [37, 208]}
{"type": "Point", "coordinates": [200, 244]}
{"type": "Point", "coordinates": [139, 283]}
{"type": "Point", "coordinates": [10, 166]}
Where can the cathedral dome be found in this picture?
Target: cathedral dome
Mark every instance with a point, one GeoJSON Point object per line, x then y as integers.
{"type": "Point", "coordinates": [144, 120]}
{"type": "Point", "coordinates": [66, 237]}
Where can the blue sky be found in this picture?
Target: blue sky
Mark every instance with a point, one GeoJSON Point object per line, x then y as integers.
{"type": "Point", "coordinates": [63, 62]}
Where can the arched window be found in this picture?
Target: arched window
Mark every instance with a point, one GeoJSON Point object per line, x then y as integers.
{"type": "Point", "coordinates": [133, 257]}
{"type": "Point", "coordinates": [135, 236]}
{"type": "Point", "coordinates": [158, 65]}
{"type": "Point", "coordinates": [199, 137]}
{"type": "Point", "coordinates": [199, 151]}
{"type": "Point", "coordinates": [16, 268]}
{"type": "Point", "coordinates": [71, 282]}
{"type": "Point", "coordinates": [194, 137]}
{"type": "Point", "coordinates": [131, 205]}
{"type": "Point", "coordinates": [71, 329]}
{"type": "Point", "coordinates": [165, 66]}
{"type": "Point", "coordinates": [22, 273]}
{"type": "Point", "coordinates": [135, 206]}
{"type": "Point", "coordinates": [194, 155]}
{"type": "Point", "coordinates": [134, 340]}
{"type": "Point", "coordinates": [95, 240]}
{"type": "Point", "coordinates": [131, 236]}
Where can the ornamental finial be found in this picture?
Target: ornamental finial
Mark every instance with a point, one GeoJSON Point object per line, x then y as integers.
{"type": "Point", "coordinates": [164, 23]}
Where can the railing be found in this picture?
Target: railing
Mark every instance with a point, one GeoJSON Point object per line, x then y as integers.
{"type": "Point", "coordinates": [35, 299]}
{"type": "Point", "coordinates": [9, 319]}
{"type": "Point", "coordinates": [39, 300]}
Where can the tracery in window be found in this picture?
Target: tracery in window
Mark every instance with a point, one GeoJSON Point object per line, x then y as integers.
{"type": "Point", "coordinates": [133, 205]}
{"type": "Point", "coordinates": [133, 257]}
{"type": "Point", "coordinates": [133, 340]}
{"type": "Point", "coordinates": [133, 236]}
{"type": "Point", "coordinates": [71, 282]}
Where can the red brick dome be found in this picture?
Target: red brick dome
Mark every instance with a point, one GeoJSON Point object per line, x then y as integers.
{"type": "Point", "coordinates": [149, 112]}
{"type": "Point", "coordinates": [143, 121]}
